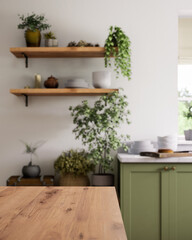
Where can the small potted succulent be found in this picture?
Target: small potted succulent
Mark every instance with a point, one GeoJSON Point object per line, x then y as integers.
{"type": "Point", "coordinates": [117, 44]}
{"type": "Point", "coordinates": [73, 166]}
{"type": "Point", "coordinates": [97, 128]}
{"type": "Point", "coordinates": [50, 40]}
{"type": "Point", "coordinates": [33, 24]}
{"type": "Point", "coordinates": [30, 170]}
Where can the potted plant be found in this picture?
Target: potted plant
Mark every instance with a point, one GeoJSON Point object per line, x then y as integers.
{"type": "Point", "coordinates": [50, 40]}
{"type": "Point", "coordinates": [73, 167]}
{"type": "Point", "coordinates": [30, 170]}
{"type": "Point", "coordinates": [33, 24]}
{"type": "Point", "coordinates": [117, 44]}
{"type": "Point", "coordinates": [188, 114]}
{"type": "Point", "coordinates": [97, 128]}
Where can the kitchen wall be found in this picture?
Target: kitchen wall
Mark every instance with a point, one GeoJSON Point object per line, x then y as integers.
{"type": "Point", "coordinates": [152, 26]}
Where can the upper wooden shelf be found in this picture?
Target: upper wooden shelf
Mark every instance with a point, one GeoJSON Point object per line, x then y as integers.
{"type": "Point", "coordinates": [61, 91]}
{"type": "Point", "coordinates": [58, 52]}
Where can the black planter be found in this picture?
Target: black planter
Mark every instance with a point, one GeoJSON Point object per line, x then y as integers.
{"type": "Point", "coordinates": [103, 180]}
{"type": "Point", "coordinates": [31, 171]}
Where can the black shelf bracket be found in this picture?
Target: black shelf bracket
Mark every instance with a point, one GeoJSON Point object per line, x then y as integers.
{"type": "Point", "coordinates": [26, 60]}
{"type": "Point", "coordinates": [26, 100]}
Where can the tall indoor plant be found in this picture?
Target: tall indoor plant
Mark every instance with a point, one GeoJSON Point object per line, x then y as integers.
{"type": "Point", "coordinates": [33, 24]}
{"type": "Point", "coordinates": [97, 127]}
{"type": "Point", "coordinates": [118, 44]}
{"type": "Point", "coordinates": [73, 167]}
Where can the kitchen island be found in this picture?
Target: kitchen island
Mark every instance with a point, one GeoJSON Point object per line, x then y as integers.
{"type": "Point", "coordinates": [156, 197]}
{"type": "Point", "coordinates": [60, 213]}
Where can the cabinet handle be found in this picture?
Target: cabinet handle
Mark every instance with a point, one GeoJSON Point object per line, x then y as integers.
{"type": "Point", "coordinates": [173, 168]}
{"type": "Point", "coordinates": [166, 168]}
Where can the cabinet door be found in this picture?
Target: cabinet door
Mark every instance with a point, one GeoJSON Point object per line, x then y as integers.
{"type": "Point", "coordinates": [181, 211]}
{"type": "Point", "coordinates": [144, 192]}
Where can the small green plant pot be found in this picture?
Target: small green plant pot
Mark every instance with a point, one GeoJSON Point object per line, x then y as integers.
{"type": "Point", "coordinates": [33, 39]}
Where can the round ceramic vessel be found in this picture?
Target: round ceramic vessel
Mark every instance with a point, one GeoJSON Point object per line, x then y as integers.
{"type": "Point", "coordinates": [31, 171]}
{"type": "Point", "coordinates": [103, 180]}
{"type": "Point", "coordinates": [101, 79]}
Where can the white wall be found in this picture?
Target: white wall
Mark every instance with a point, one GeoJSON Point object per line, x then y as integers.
{"type": "Point", "coordinates": [152, 92]}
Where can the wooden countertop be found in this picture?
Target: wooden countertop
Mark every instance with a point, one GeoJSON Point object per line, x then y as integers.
{"type": "Point", "coordinates": [60, 213]}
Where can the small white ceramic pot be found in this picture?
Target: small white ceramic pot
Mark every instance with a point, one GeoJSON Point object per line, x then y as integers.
{"type": "Point", "coordinates": [48, 42]}
{"type": "Point", "coordinates": [101, 79]}
{"type": "Point", "coordinates": [54, 43]}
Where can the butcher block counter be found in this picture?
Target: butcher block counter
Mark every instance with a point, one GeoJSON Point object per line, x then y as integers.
{"type": "Point", "coordinates": [60, 213]}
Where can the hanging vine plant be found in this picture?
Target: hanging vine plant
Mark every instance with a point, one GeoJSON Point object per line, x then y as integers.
{"type": "Point", "coordinates": [117, 44]}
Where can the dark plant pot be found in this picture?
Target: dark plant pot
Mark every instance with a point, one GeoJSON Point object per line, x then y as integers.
{"type": "Point", "coordinates": [73, 180]}
{"type": "Point", "coordinates": [103, 179]}
{"type": "Point", "coordinates": [33, 39]}
{"type": "Point", "coordinates": [31, 171]}
{"type": "Point", "coordinates": [188, 135]}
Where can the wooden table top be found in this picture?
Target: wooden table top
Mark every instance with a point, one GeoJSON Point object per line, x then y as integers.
{"type": "Point", "coordinates": [60, 213]}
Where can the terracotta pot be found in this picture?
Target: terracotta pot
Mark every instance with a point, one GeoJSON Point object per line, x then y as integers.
{"type": "Point", "coordinates": [103, 179]}
{"type": "Point", "coordinates": [73, 180]}
{"type": "Point", "coordinates": [51, 82]}
{"type": "Point", "coordinates": [33, 39]}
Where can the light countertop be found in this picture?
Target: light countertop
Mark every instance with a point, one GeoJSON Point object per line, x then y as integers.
{"type": "Point", "coordinates": [130, 158]}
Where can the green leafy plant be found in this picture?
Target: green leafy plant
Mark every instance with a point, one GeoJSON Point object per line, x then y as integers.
{"type": "Point", "coordinates": [97, 127]}
{"type": "Point", "coordinates": [31, 149]}
{"type": "Point", "coordinates": [49, 35]}
{"type": "Point", "coordinates": [75, 162]}
{"type": "Point", "coordinates": [188, 114]}
{"type": "Point", "coordinates": [33, 22]}
{"type": "Point", "coordinates": [117, 44]}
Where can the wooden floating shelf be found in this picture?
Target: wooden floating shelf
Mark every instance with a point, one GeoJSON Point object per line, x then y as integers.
{"type": "Point", "coordinates": [60, 92]}
{"type": "Point", "coordinates": [58, 52]}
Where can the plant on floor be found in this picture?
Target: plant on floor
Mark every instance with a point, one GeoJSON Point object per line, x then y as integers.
{"type": "Point", "coordinates": [97, 127]}
{"type": "Point", "coordinates": [73, 166]}
{"type": "Point", "coordinates": [33, 24]}
{"type": "Point", "coordinates": [117, 44]}
{"type": "Point", "coordinates": [75, 162]}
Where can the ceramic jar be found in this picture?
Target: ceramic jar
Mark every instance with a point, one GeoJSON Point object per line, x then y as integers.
{"type": "Point", "coordinates": [51, 82]}
{"type": "Point", "coordinates": [101, 79]}
{"type": "Point", "coordinates": [31, 171]}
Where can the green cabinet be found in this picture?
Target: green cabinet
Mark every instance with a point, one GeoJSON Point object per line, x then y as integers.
{"type": "Point", "coordinates": [156, 200]}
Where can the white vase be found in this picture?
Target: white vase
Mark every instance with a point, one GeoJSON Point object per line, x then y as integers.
{"type": "Point", "coordinates": [101, 79]}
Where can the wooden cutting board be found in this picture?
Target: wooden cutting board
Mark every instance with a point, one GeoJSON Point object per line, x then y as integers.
{"type": "Point", "coordinates": [166, 155]}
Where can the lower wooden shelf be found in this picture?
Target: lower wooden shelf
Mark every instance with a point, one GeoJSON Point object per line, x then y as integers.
{"type": "Point", "coordinates": [60, 92]}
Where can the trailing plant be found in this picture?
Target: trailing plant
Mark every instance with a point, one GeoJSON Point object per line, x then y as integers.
{"type": "Point", "coordinates": [97, 127]}
{"type": "Point", "coordinates": [33, 22]}
{"type": "Point", "coordinates": [117, 44]}
{"type": "Point", "coordinates": [49, 35]}
{"type": "Point", "coordinates": [75, 162]}
{"type": "Point", "coordinates": [31, 149]}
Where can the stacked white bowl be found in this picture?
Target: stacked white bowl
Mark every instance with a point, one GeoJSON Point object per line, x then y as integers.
{"type": "Point", "coordinates": [167, 142]}
{"type": "Point", "coordinates": [142, 146]}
